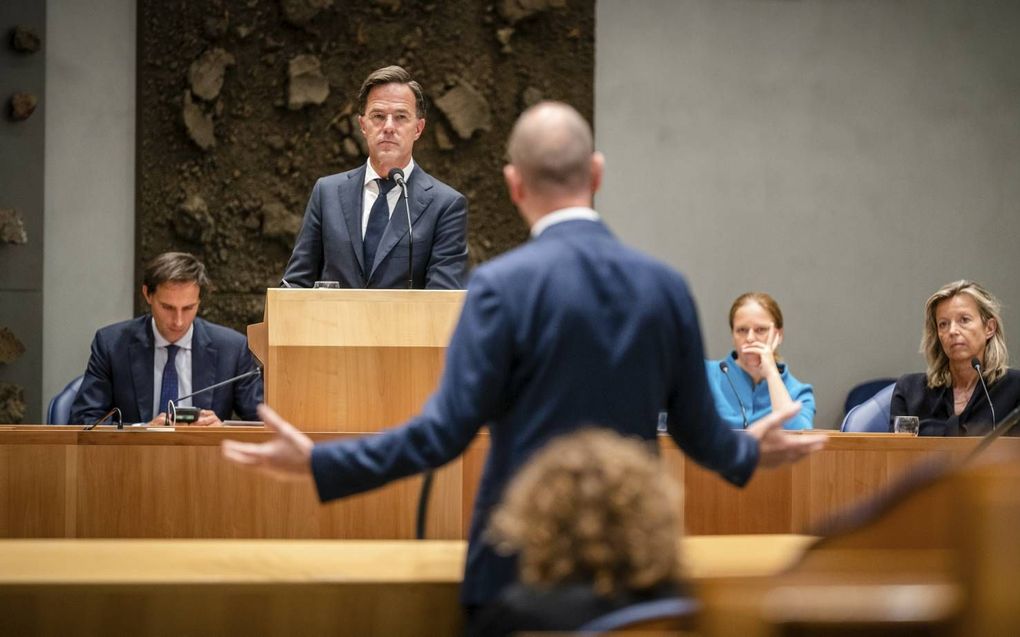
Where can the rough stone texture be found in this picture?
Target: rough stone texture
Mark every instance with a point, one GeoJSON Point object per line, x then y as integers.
{"type": "Point", "coordinates": [279, 223]}
{"type": "Point", "coordinates": [206, 73]}
{"type": "Point", "coordinates": [443, 140]}
{"type": "Point", "coordinates": [25, 40]}
{"type": "Point", "coordinates": [194, 223]}
{"type": "Point", "coordinates": [517, 10]}
{"type": "Point", "coordinates": [11, 348]}
{"type": "Point", "coordinates": [22, 106]}
{"type": "Point", "coordinates": [264, 154]}
{"type": "Point", "coordinates": [12, 227]}
{"type": "Point", "coordinates": [307, 86]}
{"type": "Point", "coordinates": [530, 96]}
{"type": "Point", "coordinates": [301, 12]}
{"type": "Point", "coordinates": [466, 109]}
{"type": "Point", "coordinates": [12, 403]}
{"type": "Point", "coordinates": [198, 124]}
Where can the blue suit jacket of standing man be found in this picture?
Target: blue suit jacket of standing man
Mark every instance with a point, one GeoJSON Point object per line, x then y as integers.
{"type": "Point", "coordinates": [570, 329]}
{"type": "Point", "coordinates": [120, 372]}
{"type": "Point", "coordinates": [329, 246]}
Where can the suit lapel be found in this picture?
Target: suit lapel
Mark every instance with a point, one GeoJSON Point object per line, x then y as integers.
{"type": "Point", "coordinates": [141, 359]}
{"type": "Point", "coordinates": [419, 197]}
{"type": "Point", "coordinates": [351, 199]}
{"type": "Point", "coordinates": [203, 365]}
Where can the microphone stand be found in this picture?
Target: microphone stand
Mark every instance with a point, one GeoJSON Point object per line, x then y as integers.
{"type": "Point", "coordinates": [426, 484]}
{"type": "Point", "coordinates": [724, 366]}
{"type": "Point", "coordinates": [192, 412]}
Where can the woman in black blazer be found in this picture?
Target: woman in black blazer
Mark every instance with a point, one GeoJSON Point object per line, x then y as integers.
{"type": "Point", "coordinates": [965, 347]}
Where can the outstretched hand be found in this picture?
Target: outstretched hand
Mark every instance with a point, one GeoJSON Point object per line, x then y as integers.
{"type": "Point", "coordinates": [776, 446]}
{"type": "Point", "coordinates": [287, 456]}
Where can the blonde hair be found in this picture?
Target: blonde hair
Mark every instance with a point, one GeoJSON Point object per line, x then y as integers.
{"type": "Point", "coordinates": [592, 506]}
{"type": "Point", "coordinates": [996, 358]}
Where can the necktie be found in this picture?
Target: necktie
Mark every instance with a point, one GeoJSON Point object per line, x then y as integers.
{"type": "Point", "coordinates": [378, 217]}
{"type": "Point", "coordinates": [168, 390]}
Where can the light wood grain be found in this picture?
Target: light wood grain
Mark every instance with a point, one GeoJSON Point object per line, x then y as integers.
{"type": "Point", "coordinates": [280, 587]}
{"type": "Point", "coordinates": [64, 482]}
{"type": "Point", "coordinates": [353, 360]}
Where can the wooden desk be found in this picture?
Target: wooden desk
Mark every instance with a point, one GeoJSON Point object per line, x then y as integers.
{"type": "Point", "coordinates": [282, 587]}
{"type": "Point", "coordinates": [64, 482]}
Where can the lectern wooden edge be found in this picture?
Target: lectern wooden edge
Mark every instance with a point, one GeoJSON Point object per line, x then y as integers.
{"type": "Point", "coordinates": [352, 360]}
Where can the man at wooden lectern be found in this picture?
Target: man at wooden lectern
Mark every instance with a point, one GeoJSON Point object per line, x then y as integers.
{"type": "Point", "coordinates": [355, 229]}
{"type": "Point", "coordinates": [572, 328]}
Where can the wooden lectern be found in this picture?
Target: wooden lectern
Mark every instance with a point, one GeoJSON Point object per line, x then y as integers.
{"type": "Point", "coordinates": [352, 360]}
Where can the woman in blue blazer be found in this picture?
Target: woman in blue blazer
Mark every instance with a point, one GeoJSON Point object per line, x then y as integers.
{"type": "Point", "coordinates": [752, 381]}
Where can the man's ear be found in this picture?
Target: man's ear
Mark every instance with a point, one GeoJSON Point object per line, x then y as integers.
{"type": "Point", "coordinates": [145, 294]}
{"type": "Point", "coordinates": [514, 183]}
{"type": "Point", "coordinates": [419, 127]}
{"type": "Point", "coordinates": [598, 165]}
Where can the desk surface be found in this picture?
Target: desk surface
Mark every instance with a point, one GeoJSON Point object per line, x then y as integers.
{"type": "Point", "coordinates": [126, 562]}
{"type": "Point", "coordinates": [268, 587]}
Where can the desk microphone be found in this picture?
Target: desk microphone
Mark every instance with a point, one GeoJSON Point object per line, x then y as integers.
{"type": "Point", "coordinates": [189, 415]}
{"type": "Point", "coordinates": [107, 415]}
{"type": "Point", "coordinates": [397, 175]}
{"type": "Point", "coordinates": [976, 364]}
{"type": "Point", "coordinates": [724, 366]}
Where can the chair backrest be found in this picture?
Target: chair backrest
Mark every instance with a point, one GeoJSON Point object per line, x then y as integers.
{"type": "Point", "coordinates": [60, 407]}
{"type": "Point", "coordinates": [872, 415]}
{"type": "Point", "coordinates": [864, 391]}
{"type": "Point", "coordinates": [671, 613]}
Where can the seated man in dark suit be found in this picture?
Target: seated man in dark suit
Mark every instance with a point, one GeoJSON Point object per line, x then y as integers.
{"type": "Point", "coordinates": [128, 367]}
{"type": "Point", "coordinates": [353, 235]}
{"type": "Point", "coordinates": [571, 328]}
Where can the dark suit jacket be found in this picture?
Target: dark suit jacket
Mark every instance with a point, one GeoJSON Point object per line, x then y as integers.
{"type": "Point", "coordinates": [329, 247]}
{"type": "Point", "coordinates": [572, 328]}
{"type": "Point", "coordinates": [934, 407]}
{"type": "Point", "coordinates": [119, 372]}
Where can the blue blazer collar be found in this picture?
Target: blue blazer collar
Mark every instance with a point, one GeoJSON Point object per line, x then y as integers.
{"type": "Point", "coordinates": [203, 365]}
{"type": "Point", "coordinates": [575, 227]}
{"type": "Point", "coordinates": [140, 354]}
{"type": "Point", "coordinates": [351, 195]}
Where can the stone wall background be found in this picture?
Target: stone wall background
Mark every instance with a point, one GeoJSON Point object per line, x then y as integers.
{"type": "Point", "coordinates": [22, 144]}
{"type": "Point", "coordinates": [243, 104]}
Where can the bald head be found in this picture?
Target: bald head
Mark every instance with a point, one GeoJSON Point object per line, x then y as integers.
{"type": "Point", "coordinates": [551, 149]}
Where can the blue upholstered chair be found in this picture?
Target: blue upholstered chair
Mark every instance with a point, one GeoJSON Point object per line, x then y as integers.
{"type": "Point", "coordinates": [872, 415]}
{"type": "Point", "coordinates": [864, 391]}
{"type": "Point", "coordinates": [60, 407]}
{"type": "Point", "coordinates": [672, 613]}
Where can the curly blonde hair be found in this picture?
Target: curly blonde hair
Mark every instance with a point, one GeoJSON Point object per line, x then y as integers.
{"type": "Point", "coordinates": [996, 358]}
{"type": "Point", "coordinates": [592, 506]}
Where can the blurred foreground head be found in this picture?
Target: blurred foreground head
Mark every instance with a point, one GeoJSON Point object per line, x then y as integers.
{"type": "Point", "coordinates": [592, 507]}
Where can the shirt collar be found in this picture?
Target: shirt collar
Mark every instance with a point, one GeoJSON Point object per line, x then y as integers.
{"type": "Point", "coordinates": [561, 215]}
{"type": "Point", "coordinates": [183, 342]}
{"type": "Point", "coordinates": [371, 175]}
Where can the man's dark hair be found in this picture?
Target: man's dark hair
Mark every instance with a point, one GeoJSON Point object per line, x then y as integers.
{"type": "Point", "coordinates": [175, 267]}
{"type": "Point", "coordinates": [391, 75]}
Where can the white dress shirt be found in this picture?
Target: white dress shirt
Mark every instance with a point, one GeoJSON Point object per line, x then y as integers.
{"type": "Point", "coordinates": [561, 215]}
{"type": "Point", "coordinates": [182, 362]}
